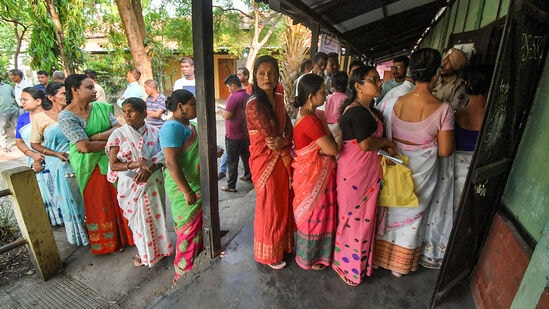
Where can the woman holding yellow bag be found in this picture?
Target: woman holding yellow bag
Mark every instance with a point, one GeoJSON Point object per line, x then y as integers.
{"type": "Point", "coordinates": [358, 177]}
{"type": "Point", "coordinates": [422, 129]}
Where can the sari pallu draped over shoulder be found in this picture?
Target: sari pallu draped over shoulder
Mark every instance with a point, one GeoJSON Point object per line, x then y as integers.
{"type": "Point", "coordinates": [262, 158]}
{"type": "Point", "coordinates": [68, 194]}
{"type": "Point", "coordinates": [85, 163]}
{"type": "Point", "coordinates": [107, 228]}
{"type": "Point", "coordinates": [187, 218]}
{"type": "Point", "coordinates": [271, 172]}
{"type": "Point", "coordinates": [314, 206]}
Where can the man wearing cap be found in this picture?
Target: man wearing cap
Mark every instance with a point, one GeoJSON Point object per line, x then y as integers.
{"type": "Point", "coordinates": [450, 87]}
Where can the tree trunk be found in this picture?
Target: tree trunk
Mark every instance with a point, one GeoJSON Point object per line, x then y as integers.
{"type": "Point", "coordinates": [270, 22]}
{"type": "Point", "coordinates": [132, 19]}
{"type": "Point", "coordinates": [60, 36]}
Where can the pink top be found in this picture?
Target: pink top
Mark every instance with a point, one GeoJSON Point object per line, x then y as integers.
{"type": "Point", "coordinates": [333, 104]}
{"type": "Point", "coordinates": [425, 131]}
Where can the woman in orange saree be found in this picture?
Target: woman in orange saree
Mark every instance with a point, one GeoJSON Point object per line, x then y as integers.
{"type": "Point", "coordinates": [88, 124]}
{"type": "Point", "coordinates": [314, 183]}
{"type": "Point", "coordinates": [270, 132]}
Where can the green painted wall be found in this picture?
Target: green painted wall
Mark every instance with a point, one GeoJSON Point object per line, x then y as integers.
{"type": "Point", "coordinates": [527, 192]}
{"type": "Point", "coordinates": [536, 276]}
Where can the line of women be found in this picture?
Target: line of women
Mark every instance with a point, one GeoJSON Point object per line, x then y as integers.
{"type": "Point", "coordinates": [333, 210]}
{"type": "Point", "coordinates": [104, 181]}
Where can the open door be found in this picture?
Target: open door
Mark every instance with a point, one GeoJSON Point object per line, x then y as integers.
{"type": "Point", "coordinates": [517, 72]}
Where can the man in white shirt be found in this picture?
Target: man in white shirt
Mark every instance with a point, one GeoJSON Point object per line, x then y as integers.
{"type": "Point", "coordinates": [16, 76]}
{"type": "Point", "coordinates": [187, 81]}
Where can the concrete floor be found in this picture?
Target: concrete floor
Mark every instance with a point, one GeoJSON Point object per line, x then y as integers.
{"type": "Point", "coordinates": [237, 281]}
{"type": "Point", "coordinates": [232, 281]}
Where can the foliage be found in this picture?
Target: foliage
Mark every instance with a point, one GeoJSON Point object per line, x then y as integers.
{"type": "Point", "coordinates": [297, 39]}
{"type": "Point", "coordinates": [9, 230]}
{"type": "Point", "coordinates": [15, 23]}
{"type": "Point", "coordinates": [45, 48]}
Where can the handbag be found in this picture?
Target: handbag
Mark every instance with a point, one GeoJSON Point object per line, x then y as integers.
{"type": "Point", "coordinates": [397, 189]}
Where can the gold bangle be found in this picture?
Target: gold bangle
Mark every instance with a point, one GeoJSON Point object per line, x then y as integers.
{"type": "Point", "coordinates": [44, 152]}
{"type": "Point", "coordinates": [99, 137]}
{"type": "Point", "coordinates": [128, 165]}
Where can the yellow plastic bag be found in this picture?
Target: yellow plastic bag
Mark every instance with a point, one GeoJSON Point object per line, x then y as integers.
{"type": "Point", "coordinates": [398, 186]}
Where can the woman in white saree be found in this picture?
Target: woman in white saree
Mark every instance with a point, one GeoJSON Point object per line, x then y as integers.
{"type": "Point", "coordinates": [422, 129]}
{"type": "Point", "coordinates": [135, 160]}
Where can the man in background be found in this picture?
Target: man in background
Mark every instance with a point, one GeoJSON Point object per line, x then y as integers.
{"type": "Point", "coordinates": [43, 80]}
{"type": "Point", "coordinates": [244, 76]}
{"type": "Point", "coordinates": [332, 66]}
{"type": "Point", "coordinates": [187, 81]}
{"type": "Point", "coordinates": [450, 87]}
{"type": "Point", "coordinates": [133, 90]}
{"type": "Point", "coordinates": [399, 69]}
{"type": "Point", "coordinates": [8, 114]}
{"type": "Point", "coordinates": [59, 77]}
{"type": "Point", "coordinates": [16, 76]}
{"type": "Point", "coordinates": [237, 141]}
{"type": "Point", "coordinates": [156, 104]}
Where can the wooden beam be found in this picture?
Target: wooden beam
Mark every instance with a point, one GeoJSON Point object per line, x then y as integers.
{"type": "Point", "coordinates": [202, 22]}
{"type": "Point", "coordinates": [33, 220]}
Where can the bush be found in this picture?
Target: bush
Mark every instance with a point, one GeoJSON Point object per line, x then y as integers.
{"type": "Point", "coordinates": [9, 231]}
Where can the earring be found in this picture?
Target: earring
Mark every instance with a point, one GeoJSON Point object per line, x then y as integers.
{"type": "Point", "coordinates": [311, 105]}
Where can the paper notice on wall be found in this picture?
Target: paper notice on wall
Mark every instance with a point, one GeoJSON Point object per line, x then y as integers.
{"type": "Point", "coordinates": [329, 44]}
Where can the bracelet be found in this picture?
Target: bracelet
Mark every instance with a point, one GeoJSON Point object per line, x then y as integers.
{"type": "Point", "coordinates": [44, 152]}
{"type": "Point", "coordinates": [128, 165]}
{"type": "Point", "coordinates": [99, 137]}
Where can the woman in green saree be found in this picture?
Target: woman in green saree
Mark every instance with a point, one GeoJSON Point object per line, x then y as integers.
{"type": "Point", "coordinates": [179, 142]}
{"type": "Point", "coordinates": [88, 125]}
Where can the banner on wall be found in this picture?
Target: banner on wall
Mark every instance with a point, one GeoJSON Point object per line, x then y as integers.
{"type": "Point", "coordinates": [329, 44]}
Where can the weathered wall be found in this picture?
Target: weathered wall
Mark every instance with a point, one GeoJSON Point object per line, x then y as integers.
{"type": "Point", "coordinates": [464, 15]}
{"type": "Point", "coordinates": [527, 194]}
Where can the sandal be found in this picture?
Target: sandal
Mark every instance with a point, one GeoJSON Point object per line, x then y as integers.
{"type": "Point", "coordinates": [345, 279]}
{"type": "Point", "coordinates": [277, 265]}
{"type": "Point", "coordinates": [394, 273]}
{"type": "Point", "coordinates": [137, 261]}
{"type": "Point", "coordinates": [227, 189]}
{"type": "Point", "coordinates": [318, 267]}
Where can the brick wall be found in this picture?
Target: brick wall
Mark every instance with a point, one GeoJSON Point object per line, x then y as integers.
{"type": "Point", "coordinates": [501, 266]}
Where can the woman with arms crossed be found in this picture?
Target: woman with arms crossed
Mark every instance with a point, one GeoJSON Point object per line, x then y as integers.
{"type": "Point", "coordinates": [88, 125]}
{"type": "Point", "coordinates": [314, 204]}
{"type": "Point", "coordinates": [135, 160]}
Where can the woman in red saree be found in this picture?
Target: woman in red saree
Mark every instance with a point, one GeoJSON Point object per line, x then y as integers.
{"type": "Point", "coordinates": [359, 177]}
{"type": "Point", "coordinates": [270, 132]}
{"type": "Point", "coordinates": [314, 204]}
{"type": "Point", "coordinates": [88, 124]}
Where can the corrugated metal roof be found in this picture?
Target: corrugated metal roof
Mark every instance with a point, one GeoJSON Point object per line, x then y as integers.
{"type": "Point", "coordinates": [375, 28]}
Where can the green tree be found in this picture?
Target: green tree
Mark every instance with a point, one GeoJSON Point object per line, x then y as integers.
{"type": "Point", "coordinates": [57, 35]}
{"type": "Point", "coordinates": [15, 16]}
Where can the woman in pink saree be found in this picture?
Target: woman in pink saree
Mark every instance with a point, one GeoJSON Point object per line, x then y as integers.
{"type": "Point", "coordinates": [359, 177]}
{"type": "Point", "coordinates": [315, 207]}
